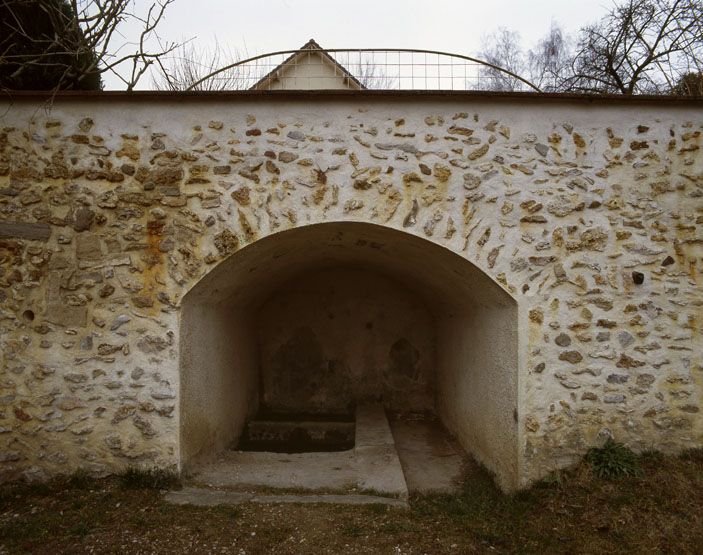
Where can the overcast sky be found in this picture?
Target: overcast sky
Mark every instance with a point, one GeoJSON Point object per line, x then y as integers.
{"type": "Point", "coordinates": [450, 25]}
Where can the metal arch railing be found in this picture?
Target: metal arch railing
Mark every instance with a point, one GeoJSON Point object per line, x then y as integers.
{"type": "Point", "coordinates": [367, 68]}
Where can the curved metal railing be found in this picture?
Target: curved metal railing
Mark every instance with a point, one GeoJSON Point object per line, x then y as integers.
{"type": "Point", "coordinates": [365, 68]}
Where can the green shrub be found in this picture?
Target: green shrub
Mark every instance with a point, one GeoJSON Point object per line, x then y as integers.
{"type": "Point", "coordinates": [613, 460]}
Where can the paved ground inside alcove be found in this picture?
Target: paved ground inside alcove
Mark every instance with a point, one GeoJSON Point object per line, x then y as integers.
{"type": "Point", "coordinates": [432, 460]}
{"type": "Point", "coordinates": [391, 459]}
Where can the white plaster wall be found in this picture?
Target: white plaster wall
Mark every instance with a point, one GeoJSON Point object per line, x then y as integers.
{"type": "Point", "coordinates": [219, 373]}
{"type": "Point", "coordinates": [477, 393]}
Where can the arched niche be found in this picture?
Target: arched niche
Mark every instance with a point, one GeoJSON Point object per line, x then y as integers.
{"type": "Point", "coordinates": [445, 331]}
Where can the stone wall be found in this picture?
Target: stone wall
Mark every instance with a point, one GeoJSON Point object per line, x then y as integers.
{"type": "Point", "coordinates": [112, 208]}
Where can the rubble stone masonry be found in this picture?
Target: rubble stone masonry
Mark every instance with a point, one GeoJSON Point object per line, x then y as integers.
{"type": "Point", "coordinates": [588, 213]}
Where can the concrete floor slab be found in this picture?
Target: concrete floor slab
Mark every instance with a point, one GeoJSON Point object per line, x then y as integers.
{"type": "Point", "coordinates": [373, 464]}
{"type": "Point", "coordinates": [379, 470]}
{"type": "Point", "coordinates": [311, 471]}
{"type": "Point", "coordinates": [431, 459]}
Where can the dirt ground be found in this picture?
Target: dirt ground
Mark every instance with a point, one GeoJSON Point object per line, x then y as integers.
{"type": "Point", "coordinates": [572, 512]}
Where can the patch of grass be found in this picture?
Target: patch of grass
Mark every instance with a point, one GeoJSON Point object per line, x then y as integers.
{"type": "Point", "coordinates": [398, 527]}
{"type": "Point", "coordinates": [352, 530]}
{"type": "Point", "coordinates": [651, 456]}
{"type": "Point", "coordinates": [23, 530]}
{"type": "Point", "coordinates": [81, 479]}
{"type": "Point", "coordinates": [574, 511]}
{"type": "Point", "coordinates": [139, 520]}
{"type": "Point", "coordinates": [80, 529]}
{"type": "Point", "coordinates": [613, 460]}
{"type": "Point", "coordinates": [479, 496]}
{"type": "Point", "coordinates": [147, 478]}
{"type": "Point", "coordinates": [554, 479]}
{"type": "Point", "coordinates": [693, 455]}
{"type": "Point", "coordinates": [274, 534]}
{"type": "Point", "coordinates": [229, 511]}
{"type": "Point", "coordinates": [377, 508]}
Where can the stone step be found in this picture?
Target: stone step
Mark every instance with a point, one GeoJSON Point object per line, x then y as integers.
{"type": "Point", "coordinates": [206, 497]}
{"type": "Point", "coordinates": [297, 436]}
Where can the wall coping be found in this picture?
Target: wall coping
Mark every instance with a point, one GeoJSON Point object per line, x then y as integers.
{"type": "Point", "coordinates": [531, 97]}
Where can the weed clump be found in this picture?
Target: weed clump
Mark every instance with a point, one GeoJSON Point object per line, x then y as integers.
{"type": "Point", "coordinates": [147, 478]}
{"type": "Point", "coordinates": [613, 460]}
{"type": "Point", "coordinates": [692, 455]}
{"type": "Point", "coordinates": [81, 479]}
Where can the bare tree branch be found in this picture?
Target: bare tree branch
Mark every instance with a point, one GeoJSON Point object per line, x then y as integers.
{"type": "Point", "coordinates": [640, 46]}
{"type": "Point", "coordinates": [188, 65]}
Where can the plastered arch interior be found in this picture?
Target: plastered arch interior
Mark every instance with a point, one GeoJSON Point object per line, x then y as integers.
{"type": "Point", "coordinates": [469, 340]}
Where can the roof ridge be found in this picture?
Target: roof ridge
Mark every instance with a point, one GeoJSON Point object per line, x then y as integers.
{"type": "Point", "coordinates": [311, 43]}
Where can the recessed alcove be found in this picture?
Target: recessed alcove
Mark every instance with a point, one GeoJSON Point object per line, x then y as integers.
{"type": "Point", "coordinates": [326, 318]}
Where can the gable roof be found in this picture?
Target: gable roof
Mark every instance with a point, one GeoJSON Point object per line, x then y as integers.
{"type": "Point", "coordinates": [278, 73]}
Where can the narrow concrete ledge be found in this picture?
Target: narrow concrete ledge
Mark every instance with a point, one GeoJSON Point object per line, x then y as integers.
{"type": "Point", "coordinates": [372, 428]}
{"type": "Point", "coordinates": [377, 462]}
{"type": "Point", "coordinates": [205, 497]}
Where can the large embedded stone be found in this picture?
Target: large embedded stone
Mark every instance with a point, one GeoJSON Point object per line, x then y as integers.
{"type": "Point", "coordinates": [83, 219]}
{"type": "Point", "coordinates": [563, 340]}
{"type": "Point", "coordinates": [88, 247]}
{"type": "Point", "coordinates": [21, 230]}
{"type": "Point", "coordinates": [573, 357]}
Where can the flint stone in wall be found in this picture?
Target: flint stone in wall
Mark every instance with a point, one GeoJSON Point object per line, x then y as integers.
{"type": "Point", "coordinates": [404, 147]}
{"type": "Point", "coordinates": [563, 340]}
{"type": "Point", "coordinates": [625, 338]}
{"type": "Point", "coordinates": [83, 219]}
{"type": "Point", "coordinates": [88, 247]}
{"type": "Point", "coordinates": [152, 344]}
{"type": "Point", "coordinates": [542, 149]}
{"type": "Point", "coordinates": [21, 230]}
{"type": "Point", "coordinates": [573, 357]}
{"type": "Point", "coordinates": [58, 310]}
{"type": "Point", "coordinates": [296, 135]}
{"type": "Point", "coordinates": [563, 206]}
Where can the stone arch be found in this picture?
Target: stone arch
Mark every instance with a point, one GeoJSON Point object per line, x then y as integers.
{"type": "Point", "coordinates": [475, 323]}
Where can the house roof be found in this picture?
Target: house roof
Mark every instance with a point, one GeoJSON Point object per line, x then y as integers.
{"type": "Point", "coordinates": [311, 45]}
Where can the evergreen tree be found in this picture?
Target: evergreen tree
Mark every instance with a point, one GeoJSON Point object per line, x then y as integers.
{"type": "Point", "coordinates": [42, 47]}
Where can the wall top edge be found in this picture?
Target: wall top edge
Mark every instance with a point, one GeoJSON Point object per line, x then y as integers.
{"type": "Point", "coordinates": [532, 97]}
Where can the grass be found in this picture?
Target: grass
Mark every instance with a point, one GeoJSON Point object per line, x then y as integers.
{"type": "Point", "coordinates": [614, 460]}
{"type": "Point", "coordinates": [148, 478]}
{"type": "Point", "coordinates": [574, 511]}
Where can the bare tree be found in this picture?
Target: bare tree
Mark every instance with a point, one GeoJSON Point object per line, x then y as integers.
{"type": "Point", "coordinates": [190, 65]}
{"type": "Point", "coordinates": [549, 62]}
{"type": "Point", "coordinates": [372, 75]}
{"type": "Point", "coordinates": [87, 38]}
{"type": "Point", "coordinates": [640, 46]}
{"type": "Point", "coordinates": [503, 49]}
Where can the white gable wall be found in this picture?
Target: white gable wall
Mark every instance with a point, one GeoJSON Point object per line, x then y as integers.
{"type": "Point", "coordinates": [309, 70]}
